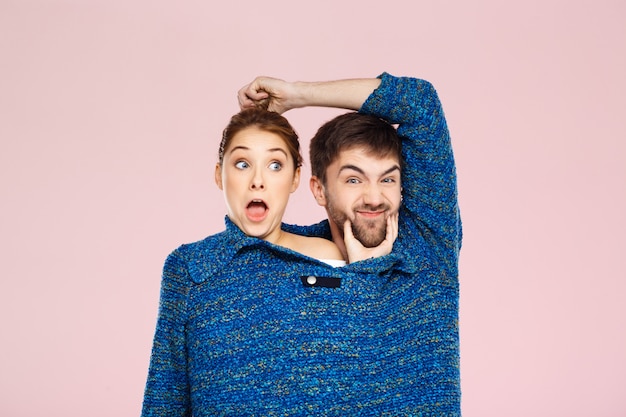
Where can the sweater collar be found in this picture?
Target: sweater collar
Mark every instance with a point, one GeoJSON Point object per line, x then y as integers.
{"type": "Point", "coordinates": [213, 253]}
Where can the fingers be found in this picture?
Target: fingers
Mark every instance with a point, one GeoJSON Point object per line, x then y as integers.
{"type": "Point", "coordinates": [347, 231]}
{"type": "Point", "coordinates": [269, 93]}
{"type": "Point", "coordinates": [253, 95]}
{"type": "Point", "coordinates": [356, 250]}
{"type": "Point", "coordinates": [392, 228]}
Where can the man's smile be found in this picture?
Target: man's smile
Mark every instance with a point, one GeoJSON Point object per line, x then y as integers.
{"type": "Point", "coordinates": [370, 214]}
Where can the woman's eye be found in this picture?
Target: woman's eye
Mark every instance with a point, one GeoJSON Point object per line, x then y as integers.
{"type": "Point", "coordinates": [241, 164]}
{"type": "Point", "coordinates": [275, 166]}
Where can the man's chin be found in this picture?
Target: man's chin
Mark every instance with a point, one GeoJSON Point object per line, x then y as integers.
{"type": "Point", "coordinates": [370, 235]}
{"type": "Point", "coordinates": [370, 242]}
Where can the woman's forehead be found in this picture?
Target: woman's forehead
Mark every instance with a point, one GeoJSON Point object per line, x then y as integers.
{"type": "Point", "coordinates": [255, 139]}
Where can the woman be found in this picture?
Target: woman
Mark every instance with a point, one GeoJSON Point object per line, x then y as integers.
{"type": "Point", "coordinates": [259, 166]}
{"type": "Point", "coordinates": [241, 310]}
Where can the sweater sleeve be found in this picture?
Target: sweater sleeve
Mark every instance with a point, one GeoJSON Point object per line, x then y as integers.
{"type": "Point", "coordinates": [428, 175]}
{"type": "Point", "coordinates": [167, 387]}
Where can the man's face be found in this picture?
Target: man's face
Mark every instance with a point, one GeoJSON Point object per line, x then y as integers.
{"type": "Point", "coordinates": [364, 189]}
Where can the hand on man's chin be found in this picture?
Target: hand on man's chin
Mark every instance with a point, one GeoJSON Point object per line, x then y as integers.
{"type": "Point", "coordinates": [368, 243]}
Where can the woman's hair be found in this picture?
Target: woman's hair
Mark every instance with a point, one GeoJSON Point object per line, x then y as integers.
{"type": "Point", "coordinates": [267, 121]}
{"type": "Point", "coordinates": [351, 130]}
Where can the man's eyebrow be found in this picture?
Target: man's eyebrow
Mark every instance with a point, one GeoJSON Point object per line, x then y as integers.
{"type": "Point", "coordinates": [360, 171]}
{"type": "Point", "coordinates": [351, 167]}
{"type": "Point", "coordinates": [390, 170]}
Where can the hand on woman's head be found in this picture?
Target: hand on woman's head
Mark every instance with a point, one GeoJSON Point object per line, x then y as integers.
{"type": "Point", "coordinates": [271, 94]}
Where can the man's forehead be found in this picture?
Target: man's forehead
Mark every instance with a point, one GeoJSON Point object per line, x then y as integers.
{"type": "Point", "coordinates": [365, 156]}
{"type": "Point", "coordinates": [365, 162]}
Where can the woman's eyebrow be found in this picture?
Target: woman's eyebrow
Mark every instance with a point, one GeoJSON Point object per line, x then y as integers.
{"type": "Point", "coordinates": [245, 148]}
{"type": "Point", "coordinates": [236, 148]}
{"type": "Point", "coordinates": [277, 150]}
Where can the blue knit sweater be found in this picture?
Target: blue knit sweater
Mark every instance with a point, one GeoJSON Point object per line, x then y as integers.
{"type": "Point", "coordinates": [242, 332]}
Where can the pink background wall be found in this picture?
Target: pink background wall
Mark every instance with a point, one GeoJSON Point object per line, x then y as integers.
{"type": "Point", "coordinates": [110, 116]}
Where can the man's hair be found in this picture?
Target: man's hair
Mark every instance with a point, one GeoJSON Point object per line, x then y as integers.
{"type": "Point", "coordinates": [352, 130]}
{"type": "Point", "coordinates": [264, 120]}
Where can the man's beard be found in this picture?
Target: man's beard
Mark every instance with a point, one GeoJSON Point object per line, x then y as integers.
{"type": "Point", "coordinates": [370, 233]}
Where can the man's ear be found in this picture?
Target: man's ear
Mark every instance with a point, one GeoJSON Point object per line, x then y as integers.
{"type": "Point", "coordinates": [296, 180]}
{"type": "Point", "coordinates": [317, 188]}
{"type": "Point", "coordinates": [218, 176]}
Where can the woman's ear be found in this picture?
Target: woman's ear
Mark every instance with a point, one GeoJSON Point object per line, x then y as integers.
{"type": "Point", "coordinates": [218, 176]}
{"type": "Point", "coordinates": [317, 188]}
{"type": "Point", "coordinates": [296, 180]}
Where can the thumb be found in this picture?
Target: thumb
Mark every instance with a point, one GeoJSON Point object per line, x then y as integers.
{"type": "Point", "coordinates": [347, 231]}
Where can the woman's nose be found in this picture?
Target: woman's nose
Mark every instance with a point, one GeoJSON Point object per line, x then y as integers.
{"type": "Point", "coordinates": [257, 182]}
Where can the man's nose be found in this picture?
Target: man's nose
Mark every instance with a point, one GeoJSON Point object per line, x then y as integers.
{"type": "Point", "coordinates": [372, 195]}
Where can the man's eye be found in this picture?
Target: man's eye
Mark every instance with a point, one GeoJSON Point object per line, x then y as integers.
{"type": "Point", "coordinates": [275, 166]}
{"type": "Point", "coordinates": [389, 180]}
{"type": "Point", "coordinates": [353, 181]}
{"type": "Point", "coordinates": [241, 165]}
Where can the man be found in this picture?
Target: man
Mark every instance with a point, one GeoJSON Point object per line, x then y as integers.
{"type": "Point", "coordinates": [411, 351]}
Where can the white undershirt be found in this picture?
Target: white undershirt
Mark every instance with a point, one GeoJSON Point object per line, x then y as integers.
{"type": "Point", "coordinates": [334, 262]}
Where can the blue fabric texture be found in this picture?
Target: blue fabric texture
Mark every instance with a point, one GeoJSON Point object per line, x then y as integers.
{"type": "Point", "coordinates": [240, 334]}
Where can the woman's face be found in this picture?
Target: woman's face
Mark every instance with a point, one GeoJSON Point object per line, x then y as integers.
{"type": "Point", "coordinates": [257, 175]}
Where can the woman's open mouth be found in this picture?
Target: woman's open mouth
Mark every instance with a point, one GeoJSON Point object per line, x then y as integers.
{"type": "Point", "coordinates": [256, 210]}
